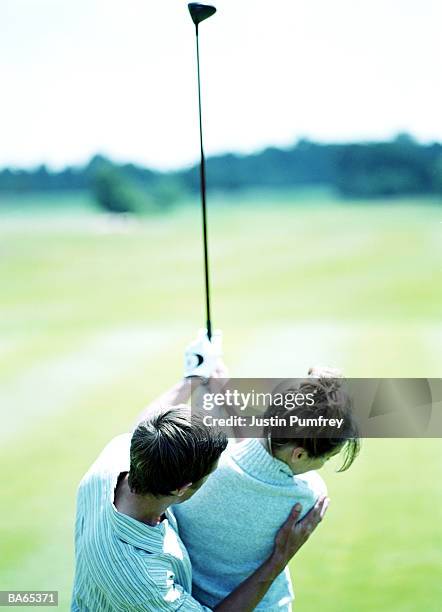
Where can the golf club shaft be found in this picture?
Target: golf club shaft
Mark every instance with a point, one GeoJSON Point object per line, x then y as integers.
{"type": "Point", "coordinates": [203, 194]}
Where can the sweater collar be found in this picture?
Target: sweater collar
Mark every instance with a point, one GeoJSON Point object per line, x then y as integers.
{"type": "Point", "coordinates": [254, 459]}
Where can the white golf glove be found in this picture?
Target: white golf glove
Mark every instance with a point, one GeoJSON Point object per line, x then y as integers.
{"type": "Point", "coordinates": [202, 355]}
{"type": "Point", "coordinates": [324, 372]}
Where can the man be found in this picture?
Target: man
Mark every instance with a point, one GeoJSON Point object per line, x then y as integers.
{"type": "Point", "coordinates": [128, 552]}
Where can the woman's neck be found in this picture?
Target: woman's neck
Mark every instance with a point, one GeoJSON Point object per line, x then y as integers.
{"type": "Point", "coordinates": [265, 443]}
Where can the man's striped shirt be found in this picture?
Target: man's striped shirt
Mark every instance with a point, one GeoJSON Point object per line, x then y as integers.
{"type": "Point", "coordinates": [121, 563]}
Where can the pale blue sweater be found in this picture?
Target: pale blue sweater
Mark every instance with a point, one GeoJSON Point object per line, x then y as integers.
{"type": "Point", "coordinates": [229, 525]}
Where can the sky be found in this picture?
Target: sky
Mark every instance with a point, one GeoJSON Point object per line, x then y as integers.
{"type": "Point", "coordinates": [118, 77]}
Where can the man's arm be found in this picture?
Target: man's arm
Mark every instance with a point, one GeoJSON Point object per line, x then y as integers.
{"type": "Point", "coordinates": [178, 394]}
{"type": "Point", "coordinates": [202, 359]}
{"type": "Point", "coordinates": [181, 392]}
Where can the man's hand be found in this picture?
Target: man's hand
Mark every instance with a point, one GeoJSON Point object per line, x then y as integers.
{"type": "Point", "coordinates": [202, 356]}
{"type": "Point", "coordinates": [294, 533]}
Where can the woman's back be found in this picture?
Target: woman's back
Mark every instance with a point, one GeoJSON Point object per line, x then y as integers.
{"type": "Point", "coordinates": [229, 525]}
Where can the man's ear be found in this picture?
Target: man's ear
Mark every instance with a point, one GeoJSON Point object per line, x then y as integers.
{"type": "Point", "coordinates": [182, 490]}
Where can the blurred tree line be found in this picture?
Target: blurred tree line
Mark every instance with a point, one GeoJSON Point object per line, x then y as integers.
{"type": "Point", "coordinates": [398, 167]}
{"type": "Point", "coordinates": [363, 170]}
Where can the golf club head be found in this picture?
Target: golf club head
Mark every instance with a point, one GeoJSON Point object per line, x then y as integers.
{"type": "Point", "coordinates": [200, 12]}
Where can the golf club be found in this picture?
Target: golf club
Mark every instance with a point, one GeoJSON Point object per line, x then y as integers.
{"type": "Point", "coordinates": [200, 12]}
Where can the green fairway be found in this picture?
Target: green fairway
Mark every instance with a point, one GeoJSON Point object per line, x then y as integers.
{"type": "Point", "coordinates": [94, 317]}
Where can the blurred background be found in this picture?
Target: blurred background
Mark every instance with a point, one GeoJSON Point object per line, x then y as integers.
{"type": "Point", "coordinates": [322, 126]}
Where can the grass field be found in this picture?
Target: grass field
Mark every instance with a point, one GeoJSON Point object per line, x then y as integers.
{"type": "Point", "coordinates": [94, 315]}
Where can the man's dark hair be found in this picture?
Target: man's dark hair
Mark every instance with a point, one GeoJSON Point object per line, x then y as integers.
{"type": "Point", "coordinates": [171, 449]}
{"type": "Point", "coordinates": [332, 401]}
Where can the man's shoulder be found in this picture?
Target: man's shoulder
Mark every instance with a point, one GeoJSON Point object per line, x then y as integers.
{"type": "Point", "coordinates": [115, 453]}
{"type": "Point", "coordinates": [113, 459]}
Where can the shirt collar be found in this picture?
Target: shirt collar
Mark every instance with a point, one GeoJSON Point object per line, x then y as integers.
{"type": "Point", "coordinates": [147, 537]}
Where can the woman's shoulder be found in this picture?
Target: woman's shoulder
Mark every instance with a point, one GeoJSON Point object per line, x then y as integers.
{"type": "Point", "coordinates": [313, 481]}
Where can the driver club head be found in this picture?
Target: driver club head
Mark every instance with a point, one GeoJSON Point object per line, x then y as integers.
{"type": "Point", "coordinates": [200, 12]}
